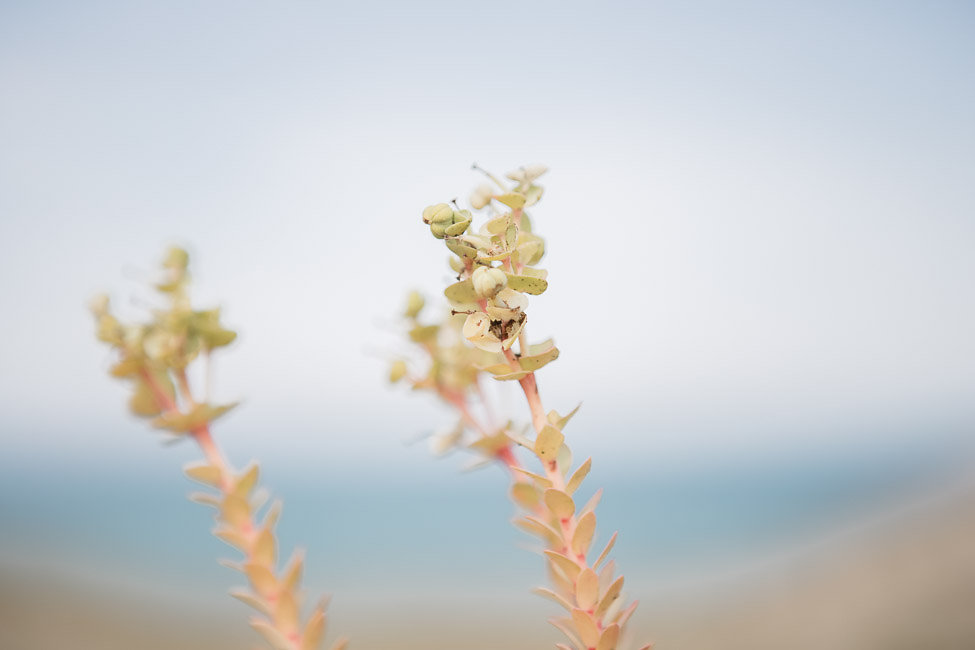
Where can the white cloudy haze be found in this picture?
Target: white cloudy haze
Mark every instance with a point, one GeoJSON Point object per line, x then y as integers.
{"type": "Point", "coordinates": [759, 218]}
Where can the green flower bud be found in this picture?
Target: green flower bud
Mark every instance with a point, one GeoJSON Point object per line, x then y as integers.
{"type": "Point", "coordinates": [439, 230]}
{"type": "Point", "coordinates": [439, 213]}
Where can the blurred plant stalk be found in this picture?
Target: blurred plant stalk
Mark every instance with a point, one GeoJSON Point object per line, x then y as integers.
{"type": "Point", "coordinates": [154, 358]}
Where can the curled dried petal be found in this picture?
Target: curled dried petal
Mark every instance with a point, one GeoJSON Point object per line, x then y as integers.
{"type": "Point", "coordinates": [477, 330]}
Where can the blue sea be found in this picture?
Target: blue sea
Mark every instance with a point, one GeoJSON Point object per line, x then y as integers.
{"type": "Point", "coordinates": [424, 525]}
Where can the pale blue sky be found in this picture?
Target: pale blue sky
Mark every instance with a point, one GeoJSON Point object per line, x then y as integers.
{"type": "Point", "coordinates": [760, 216]}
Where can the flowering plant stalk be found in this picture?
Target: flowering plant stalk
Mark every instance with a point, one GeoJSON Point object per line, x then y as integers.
{"type": "Point", "coordinates": [154, 357]}
{"type": "Point", "coordinates": [496, 272]}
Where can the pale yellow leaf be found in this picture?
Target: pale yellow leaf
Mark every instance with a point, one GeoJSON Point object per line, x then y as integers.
{"type": "Point", "coordinates": [564, 626]}
{"type": "Point", "coordinates": [314, 630]}
{"type": "Point", "coordinates": [554, 597]}
{"type": "Point", "coordinates": [605, 553]}
{"type": "Point", "coordinates": [587, 589]}
{"type": "Point", "coordinates": [625, 615]}
{"type": "Point", "coordinates": [263, 550]}
{"type": "Point", "coordinates": [233, 537]}
{"type": "Point", "coordinates": [461, 249]}
{"type": "Point", "coordinates": [277, 640]}
{"type": "Point", "coordinates": [609, 638]}
{"type": "Point", "coordinates": [246, 481]}
{"type": "Point", "coordinates": [536, 362]}
{"type": "Point", "coordinates": [527, 284]}
{"type": "Point", "coordinates": [539, 529]}
{"type": "Point", "coordinates": [540, 480]}
{"type": "Point", "coordinates": [592, 503]}
{"type": "Point", "coordinates": [608, 598]}
{"type": "Point", "coordinates": [262, 580]}
{"type": "Point", "coordinates": [565, 564]}
{"type": "Point", "coordinates": [286, 613]}
{"type": "Point", "coordinates": [235, 511]}
{"type": "Point", "coordinates": [461, 292]}
{"type": "Point", "coordinates": [513, 200]}
{"type": "Point", "coordinates": [251, 600]}
{"type": "Point", "coordinates": [548, 442]}
{"type": "Point", "coordinates": [512, 376]}
{"type": "Point", "coordinates": [582, 537]}
{"type": "Point", "coordinates": [525, 495]}
{"type": "Point", "coordinates": [586, 627]}
{"type": "Point", "coordinates": [559, 503]}
{"type": "Point", "coordinates": [204, 473]}
{"type": "Point", "coordinates": [578, 476]}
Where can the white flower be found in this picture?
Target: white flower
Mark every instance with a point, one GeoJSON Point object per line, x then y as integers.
{"type": "Point", "coordinates": [508, 304]}
{"type": "Point", "coordinates": [477, 330]}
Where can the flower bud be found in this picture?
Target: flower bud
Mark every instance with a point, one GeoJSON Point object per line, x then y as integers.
{"type": "Point", "coordinates": [439, 213]}
{"type": "Point", "coordinates": [477, 330]}
{"type": "Point", "coordinates": [481, 196]}
{"type": "Point", "coordinates": [488, 281]}
{"type": "Point", "coordinates": [176, 258]}
{"type": "Point", "coordinates": [439, 230]}
{"type": "Point", "coordinates": [99, 305]}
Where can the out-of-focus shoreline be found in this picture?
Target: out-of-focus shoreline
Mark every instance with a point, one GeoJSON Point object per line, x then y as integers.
{"type": "Point", "coordinates": [903, 581]}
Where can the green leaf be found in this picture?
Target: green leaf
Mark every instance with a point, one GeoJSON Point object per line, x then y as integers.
{"type": "Point", "coordinates": [525, 495]}
{"type": "Point", "coordinates": [457, 228]}
{"type": "Point", "coordinates": [527, 284]}
{"type": "Point", "coordinates": [513, 200]}
{"type": "Point", "coordinates": [510, 236]}
{"type": "Point", "coordinates": [414, 304]}
{"type": "Point", "coordinates": [127, 367]}
{"type": "Point", "coordinates": [497, 369]}
{"type": "Point", "coordinates": [143, 401]}
{"type": "Point", "coordinates": [461, 292]}
{"type": "Point", "coordinates": [424, 333]}
{"type": "Point", "coordinates": [578, 476]}
{"type": "Point", "coordinates": [548, 442]}
{"type": "Point", "coordinates": [498, 224]}
{"type": "Point", "coordinates": [494, 258]}
{"type": "Point", "coordinates": [512, 376]}
{"type": "Point", "coordinates": [560, 422]}
{"type": "Point", "coordinates": [531, 252]}
{"type": "Point", "coordinates": [534, 362]}
{"type": "Point", "coordinates": [460, 249]}
{"type": "Point", "coordinates": [397, 371]}
{"type": "Point", "coordinates": [539, 348]}
{"type": "Point", "coordinates": [204, 473]}
{"type": "Point", "coordinates": [535, 273]}
{"type": "Point", "coordinates": [200, 415]}
{"type": "Point", "coordinates": [533, 194]}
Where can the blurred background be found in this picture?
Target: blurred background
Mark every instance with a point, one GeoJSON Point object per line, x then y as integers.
{"type": "Point", "coordinates": [759, 219]}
